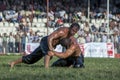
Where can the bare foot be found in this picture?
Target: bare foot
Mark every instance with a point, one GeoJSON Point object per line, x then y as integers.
{"type": "Point", "coordinates": [12, 64]}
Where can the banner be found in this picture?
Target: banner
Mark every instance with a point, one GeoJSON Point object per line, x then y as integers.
{"type": "Point", "coordinates": [98, 49]}
{"type": "Point", "coordinates": [88, 49]}
{"type": "Point", "coordinates": [31, 47]}
{"type": "Point", "coordinates": [110, 49]}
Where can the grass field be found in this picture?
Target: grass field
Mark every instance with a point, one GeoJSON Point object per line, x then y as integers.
{"type": "Point", "coordinates": [95, 69]}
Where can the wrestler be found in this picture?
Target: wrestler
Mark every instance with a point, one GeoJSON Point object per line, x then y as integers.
{"type": "Point", "coordinates": [48, 43]}
{"type": "Point", "coordinates": [72, 55]}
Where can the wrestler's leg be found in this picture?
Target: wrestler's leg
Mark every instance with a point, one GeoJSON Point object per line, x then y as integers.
{"type": "Point", "coordinates": [33, 57]}
{"type": "Point", "coordinates": [28, 59]}
{"type": "Point", "coordinates": [15, 62]}
{"type": "Point", "coordinates": [82, 57]}
{"type": "Point", "coordinates": [79, 62]}
{"type": "Point", "coordinates": [60, 63]}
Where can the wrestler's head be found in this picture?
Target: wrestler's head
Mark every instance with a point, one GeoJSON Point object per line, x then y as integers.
{"type": "Point", "coordinates": [66, 42]}
{"type": "Point", "coordinates": [73, 29]}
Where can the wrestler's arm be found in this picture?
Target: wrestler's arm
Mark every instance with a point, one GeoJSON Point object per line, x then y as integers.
{"type": "Point", "coordinates": [56, 34]}
{"type": "Point", "coordinates": [65, 54]}
{"type": "Point", "coordinates": [46, 61]}
{"type": "Point", "coordinates": [73, 39]}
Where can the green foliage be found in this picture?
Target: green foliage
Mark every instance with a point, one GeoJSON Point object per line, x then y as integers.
{"type": "Point", "coordinates": [95, 69]}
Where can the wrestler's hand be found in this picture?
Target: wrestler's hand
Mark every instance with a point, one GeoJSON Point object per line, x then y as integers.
{"type": "Point", "coordinates": [50, 53]}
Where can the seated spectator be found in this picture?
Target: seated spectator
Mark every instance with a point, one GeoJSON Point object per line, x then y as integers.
{"type": "Point", "coordinates": [93, 28]}
{"type": "Point", "coordinates": [59, 22]}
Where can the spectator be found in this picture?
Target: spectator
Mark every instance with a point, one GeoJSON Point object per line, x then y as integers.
{"type": "Point", "coordinates": [1, 18]}
{"type": "Point", "coordinates": [36, 38]}
{"type": "Point", "coordinates": [87, 38]}
{"type": "Point", "coordinates": [86, 27]}
{"type": "Point", "coordinates": [59, 22]}
{"type": "Point", "coordinates": [102, 28]}
{"type": "Point", "coordinates": [11, 41]}
{"type": "Point", "coordinates": [118, 43]}
{"type": "Point", "coordinates": [1, 49]}
{"type": "Point", "coordinates": [104, 38]}
{"type": "Point", "coordinates": [5, 47]}
{"type": "Point", "coordinates": [70, 18]}
{"type": "Point", "coordinates": [17, 42]}
{"type": "Point", "coordinates": [24, 40]}
{"type": "Point", "coordinates": [30, 37]}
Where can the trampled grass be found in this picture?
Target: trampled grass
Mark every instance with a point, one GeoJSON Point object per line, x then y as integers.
{"type": "Point", "coordinates": [95, 69]}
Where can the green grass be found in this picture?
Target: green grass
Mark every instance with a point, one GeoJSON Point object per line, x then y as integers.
{"type": "Point", "coordinates": [95, 69]}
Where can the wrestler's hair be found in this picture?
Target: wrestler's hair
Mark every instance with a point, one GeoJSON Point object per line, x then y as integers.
{"type": "Point", "coordinates": [65, 42]}
{"type": "Point", "coordinates": [75, 25]}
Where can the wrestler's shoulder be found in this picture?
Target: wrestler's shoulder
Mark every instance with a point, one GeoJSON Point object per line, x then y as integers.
{"type": "Point", "coordinates": [62, 29]}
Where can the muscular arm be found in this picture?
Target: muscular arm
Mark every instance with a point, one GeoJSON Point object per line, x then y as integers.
{"type": "Point", "coordinates": [46, 61]}
{"type": "Point", "coordinates": [55, 35]}
{"type": "Point", "coordinates": [65, 54]}
{"type": "Point", "coordinates": [73, 39]}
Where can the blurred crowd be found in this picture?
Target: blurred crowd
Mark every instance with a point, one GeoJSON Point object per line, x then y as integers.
{"type": "Point", "coordinates": [23, 21]}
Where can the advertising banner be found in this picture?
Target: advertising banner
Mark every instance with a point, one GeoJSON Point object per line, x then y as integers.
{"type": "Point", "coordinates": [88, 49]}
{"type": "Point", "coordinates": [98, 50]}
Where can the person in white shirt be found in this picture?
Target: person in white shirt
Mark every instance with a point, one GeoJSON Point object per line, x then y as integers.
{"type": "Point", "coordinates": [11, 42]}
{"type": "Point", "coordinates": [30, 37]}
{"type": "Point", "coordinates": [1, 49]}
